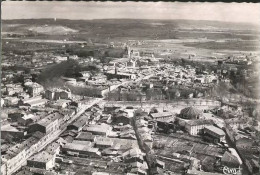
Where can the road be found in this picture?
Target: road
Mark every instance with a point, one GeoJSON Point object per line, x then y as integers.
{"type": "Point", "coordinates": [57, 133]}
{"type": "Point", "coordinates": [142, 147]}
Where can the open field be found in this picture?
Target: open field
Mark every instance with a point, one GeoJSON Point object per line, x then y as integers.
{"type": "Point", "coordinates": [181, 36]}
{"type": "Point", "coordinates": [198, 49]}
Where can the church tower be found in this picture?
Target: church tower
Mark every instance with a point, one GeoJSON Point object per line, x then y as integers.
{"type": "Point", "coordinates": [127, 51]}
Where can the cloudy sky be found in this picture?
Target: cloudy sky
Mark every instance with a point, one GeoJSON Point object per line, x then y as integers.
{"type": "Point", "coordinates": [236, 12]}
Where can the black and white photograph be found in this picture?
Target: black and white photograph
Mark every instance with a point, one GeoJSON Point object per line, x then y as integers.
{"type": "Point", "coordinates": [130, 88]}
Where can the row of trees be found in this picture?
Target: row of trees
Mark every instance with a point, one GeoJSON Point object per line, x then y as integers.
{"type": "Point", "coordinates": [151, 94]}
{"type": "Point", "coordinates": [154, 94]}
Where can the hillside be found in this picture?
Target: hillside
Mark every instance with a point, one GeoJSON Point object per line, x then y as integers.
{"type": "Point", "coordinates": [51, 30]}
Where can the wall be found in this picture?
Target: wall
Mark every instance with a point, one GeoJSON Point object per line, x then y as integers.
{"type": "Point", "coordinates": [194, 130]}
{"type": "Point", "coordinates": [42, 165]}
{"type": "Point", "coordinates": [36, 164]}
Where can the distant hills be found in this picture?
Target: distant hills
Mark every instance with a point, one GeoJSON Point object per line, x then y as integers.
{"type": "Point", "coordinates": [219, 35]}
{"type": "Point", "coordinates": [118, 27]}
{"type": "Point", "coordinates": [148, 22]}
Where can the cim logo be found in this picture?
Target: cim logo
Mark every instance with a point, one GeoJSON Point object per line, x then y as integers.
{"type": "Point", "coordinates": [227, 170]}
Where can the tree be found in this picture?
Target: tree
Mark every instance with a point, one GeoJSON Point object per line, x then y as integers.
{"type": "Point", "coordinates": [208, 164]}
{"type": "Point", "coordinates": [153, 110]}
{"type": "Point", "coordinates": [105, 59]}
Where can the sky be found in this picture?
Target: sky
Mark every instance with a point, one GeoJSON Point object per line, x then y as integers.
{"type": "Point", "coordinates": [228, 12]}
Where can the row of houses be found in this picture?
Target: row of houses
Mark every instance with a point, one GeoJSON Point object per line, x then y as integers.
{"type": "Point", "coordinates": [17, 156]}
{"type": "Point", "coordinates": [30, 123]}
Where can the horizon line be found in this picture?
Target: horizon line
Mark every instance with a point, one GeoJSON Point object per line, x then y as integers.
{"type": "Point", "coordinates": [242, 22]}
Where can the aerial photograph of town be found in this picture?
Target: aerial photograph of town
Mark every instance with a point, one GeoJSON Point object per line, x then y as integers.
{"type": "Point", "coordinates": [130, 88]}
